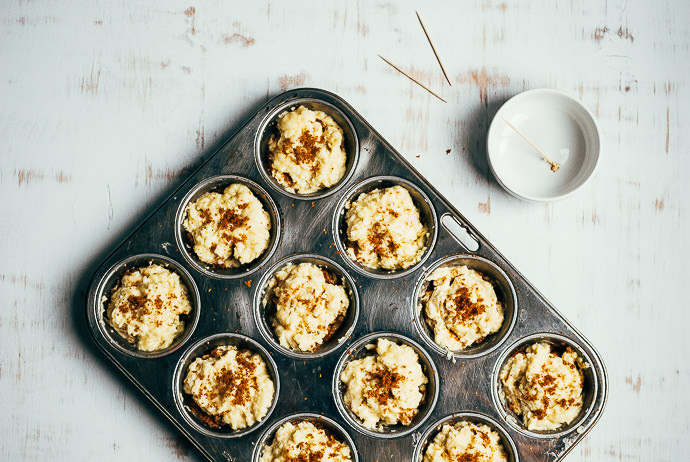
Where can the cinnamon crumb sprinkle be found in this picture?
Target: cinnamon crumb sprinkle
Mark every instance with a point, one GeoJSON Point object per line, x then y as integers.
{"type": "Point", "coordinates": [230, 219]}
{"type": "Point", "coordinates": [384, 382]}
{"type": "Point", "coordinates": [465, 308]}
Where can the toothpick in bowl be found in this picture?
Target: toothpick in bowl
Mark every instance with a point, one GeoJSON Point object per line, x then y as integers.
{"type": "Point", "coordinates": [554, 165]}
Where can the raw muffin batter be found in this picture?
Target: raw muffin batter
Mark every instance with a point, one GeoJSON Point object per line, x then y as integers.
{"type": "Point", "coordinates": [385, 388]}
{"type": "Point", "coordinates": [231, 386]}
{"type": "Point", "coordinates": [543, 387]}
{"type": "Point", "coordinates": [304, 441]}
{"type": "Point", "coordinates": [466, 441]}
{"type": "Point", "coordinates": [146, 305]}
{"type": "Point", "coordinates": [228, 229]}
{"type": "Point", "coordinates": [310, 305]}
{"type": "Point", "coordinates": [384, 230]}
{"type": "Point", "coordinates": [309, 154]}
{"type": "Point", "coordinates": [461, 307]}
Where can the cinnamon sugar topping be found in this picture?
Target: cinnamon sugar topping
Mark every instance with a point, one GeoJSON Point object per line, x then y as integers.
{"type": "Point", "coordinates": [385, 388]}
{"type": "Point", "coordinates": [307, 154]}
{"type": "Point", "coordinates": [305, 441]}
{"type": "Point", "coordinates": [461, 307]}
{"type": "Point", "coordinates": [383, 382]}
{"type": "Point", "coordinates": [466, 441]}
{"type": "Point", "coordinates": [310, 304]}
{"type": "Point", "coordinates": [231, 386]}
{"type": "Point", "coordinates": [147, 307]}
{"type": "Point", "coordinates": [230, 229]}
{"type": "Point", "coordinates": [384, 229]}
{"type": "Point", "coordinates": [544, 387]}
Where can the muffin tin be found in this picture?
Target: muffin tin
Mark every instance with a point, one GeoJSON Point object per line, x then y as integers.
{"type": "Point", "coordinates": [309, 228]}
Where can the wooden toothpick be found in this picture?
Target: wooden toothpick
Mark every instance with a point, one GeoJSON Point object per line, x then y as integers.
{"type": "Point", "coordinates": [412, 78]}
{"type": "Point", "coordinates": [554, 164]}
{"type": "Point", "coordinates": [433, 48]}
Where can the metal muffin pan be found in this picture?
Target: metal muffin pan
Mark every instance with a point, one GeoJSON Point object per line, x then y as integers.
{"type": "Point", "coordinates": [312, 225]}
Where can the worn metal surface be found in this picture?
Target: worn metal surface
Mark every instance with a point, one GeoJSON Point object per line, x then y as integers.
{"type": "Point", "coordinates": [386, 304]}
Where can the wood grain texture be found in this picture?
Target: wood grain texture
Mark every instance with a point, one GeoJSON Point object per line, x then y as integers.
{"type": "Point", "coordinates": [105, 106]}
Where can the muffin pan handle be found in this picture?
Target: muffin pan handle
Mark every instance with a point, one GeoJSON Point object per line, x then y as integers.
{"type": "Point", "coordinates": [459, 232]}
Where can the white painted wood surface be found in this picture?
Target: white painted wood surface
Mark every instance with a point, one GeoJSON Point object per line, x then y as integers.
{"type": "Point", "coordinates": [104, 106]}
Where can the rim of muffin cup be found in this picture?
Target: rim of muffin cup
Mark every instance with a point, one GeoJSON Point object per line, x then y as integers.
{"type": "Point", "coordinates": [331, 425]}
{"type": "Point", "coordinates": [467, 416]}
{"type": "Point", "coordinates": [505, 292]}
{"type": "Point", "coordinates": [589, 389]}
{"type": "Point", "coordinates": [344, 332]}
{"type": "Point", "coordinates": [184, 402]}
{"type": "Point", "coordinates": [427, 215]}
{"type": "Point", "coordinates": [267, 128]}
{"type": "Point", "coordinates": [218, 184]}
{"type": "Point", "coordinates": [358, 350]}
{"type": "Point", "coordinates": [111, 279]}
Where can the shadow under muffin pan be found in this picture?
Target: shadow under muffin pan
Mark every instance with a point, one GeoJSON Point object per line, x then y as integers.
{"type": "Point", "coordinates": [366, 346]}
{"type": "Point", "coordinates": [558, 343]}
{"type": "Point", "coordinates": [331, 427]}
{"type": "Point", "coordinates": [191, 412]}
{"type": "Point", "coordinates": [307, 226]}
{"type": "Point", "coordinates": [427, 216]}
{"type": "Point", "coordinates": [505, 293]}
{"type": "Point", "coordinates": [263, 312]}
{"type": "Point", "coordinates": [218, 184]}
{"type": "Point", "coordinates": [269, 129]}
{"type": "Point", "coordinates": [111, 280]}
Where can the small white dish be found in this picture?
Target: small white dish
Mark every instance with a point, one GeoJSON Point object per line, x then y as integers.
{"type": "Point", "coordinates": [561, 127]}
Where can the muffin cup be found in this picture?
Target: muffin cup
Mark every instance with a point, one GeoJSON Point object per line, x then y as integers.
{"type": "Point", "coordinates": [185, 403]}
{"type": "Point", "coordinates": [473, 417]}
{"type": "Point", "coordinates": [359, 350]}
{"type": "Point", "coordinates": [329, 424]}
{"type": "Point", "coordinates": [427, 216]}
{"type": "Point", "coordinates": [262, 315]}
{"type": "Point", "coordinates": [505, 292]}
{"type": "Point", "coordinates": [268, 129]}
{"type": "Point", "coordinates": [218, 184]}
{"type": "Point", "coordinates": [111, 279]}
{"type": "Point", "coordinates": [559, 342]}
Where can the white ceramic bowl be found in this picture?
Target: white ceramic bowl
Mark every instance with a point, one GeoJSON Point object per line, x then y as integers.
{"type": "Point", "coordinates": [561, 127]}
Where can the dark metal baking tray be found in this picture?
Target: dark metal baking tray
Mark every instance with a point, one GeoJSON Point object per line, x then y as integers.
{"type": "Point", "coordinates": [310, 226]}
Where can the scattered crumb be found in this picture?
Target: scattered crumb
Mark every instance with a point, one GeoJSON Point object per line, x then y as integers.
{"type": "Point", "coordinates": [248, 283]}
